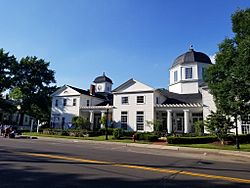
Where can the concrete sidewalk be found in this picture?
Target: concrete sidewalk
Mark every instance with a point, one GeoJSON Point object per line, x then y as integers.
{"type": "Point", "coordinates": [161, 147]}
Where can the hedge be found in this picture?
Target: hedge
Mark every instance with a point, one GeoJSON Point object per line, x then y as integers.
{"type": "Point", "coordinates": [146, 136]}
{"type": "Point", "coordinates": [192, 140]}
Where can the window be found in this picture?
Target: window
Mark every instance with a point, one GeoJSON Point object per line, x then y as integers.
{"type": "Point", "coordinates": [188, 73]}
{"type": "Point", "coordinates": [140, 99]}
{"type": "Point", "coordinates": [124, 100]}
{"type": "Point", "coordinates": [203, 72]}
{"type": "Point", "coordinates": [56, 104]}
{"type": "Point", "coordinates": [175, 76]}
{"type": "Point", "coordinates": [87, 102]}
{"type": "Point", "coordinates": [74, 102]}
{"type": "Point", "coordinates": [64, 102]}
{"type": "Point", "coordinates": [245, 124]}
{"type": "Point", "coordinates": [157, 100]}
{"type": "Point", "coordinates": [26, 119]}
{"type": "Point", "coordinates": [140, 120]}
{"type": "Point", "coordinates": [124, 120]}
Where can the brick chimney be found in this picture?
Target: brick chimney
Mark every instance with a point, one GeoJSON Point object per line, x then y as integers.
{"type": "Point", "coordinates": [92, 90]}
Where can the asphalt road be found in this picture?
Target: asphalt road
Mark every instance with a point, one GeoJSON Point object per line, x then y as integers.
{"type": "Point", "coordinates": [68, 163]}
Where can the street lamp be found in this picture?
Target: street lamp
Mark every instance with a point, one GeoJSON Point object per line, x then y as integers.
{"type": "Point", "coordinates": [18, 113]}
{"type": "Point", "coordinates": [106, 124]}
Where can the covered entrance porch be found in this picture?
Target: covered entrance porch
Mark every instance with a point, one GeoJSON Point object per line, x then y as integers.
{"type": "Point", "coordinates": [95, 113]}
{"type": "Point", "coordinates": [178, 118]}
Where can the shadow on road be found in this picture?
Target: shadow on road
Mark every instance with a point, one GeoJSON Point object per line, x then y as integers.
{"type": "Point", "coordinates": [28, 175]}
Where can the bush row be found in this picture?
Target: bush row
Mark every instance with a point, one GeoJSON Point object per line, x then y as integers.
{"type": "Point", "coordinates": [243, 139]}
{"type": "Point", "coordinates": [146, 136]}
{"type": "Point", "coordinates": [191, 140]}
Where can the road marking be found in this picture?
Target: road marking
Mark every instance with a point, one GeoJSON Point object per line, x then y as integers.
{"type": "Point", "coordinates": [169, 171]}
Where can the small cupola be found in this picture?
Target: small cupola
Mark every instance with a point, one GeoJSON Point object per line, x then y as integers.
{"type": "Point", "coordinates": [103, 84]}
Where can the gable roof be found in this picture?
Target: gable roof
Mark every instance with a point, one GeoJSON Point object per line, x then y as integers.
{"type": "Point", "coordinates": [175, 98]}
{"type": "Point", "coordinates": [131, 82]}
{"type": "Point", "coordinates": [80, 91]}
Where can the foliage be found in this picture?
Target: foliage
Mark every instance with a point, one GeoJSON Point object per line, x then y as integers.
{"type": "Point", "coordinates": [81, 123]}
{"type": "Point", "coordinates": [118, 133]}
{"type": "Point", "coordinates": [199, 128]}
{"type": "Point", "coordinates": [157, 125]}
{"type": "Point", "coordinates": [32, 89]}
{"type": "Point", "coordinates": [8, 64]}
{"type": "Point", "coordinates": [191, 140]}
{"type": "Point", "coordinates": [103, 120]}
{"type": "Point", "coordinates": [219, 125]}
{"type": "Point", "coordinates": [228, 80]}
{"type": "Point", "coordinates": [110, 131]}
{"type": "Point", "coordinates": [146, 136]}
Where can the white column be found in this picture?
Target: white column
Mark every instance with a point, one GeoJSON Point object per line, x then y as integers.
{"type": "Point", "coordinates": [102, 115]}
{"type": "Point", "coordinates": [169, 121]}
{"type": "Point", "coordinates": [186, 121]}
{"type": "Point", "coordinates": [91, 120]}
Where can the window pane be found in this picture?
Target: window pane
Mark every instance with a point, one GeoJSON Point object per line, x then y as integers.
{"type": "Point", "coordinates": [175, 76]}
{"type": "Point", "coordinates": [188, 73]}
{"type": "Point", "coordinates": [124, 100]}
{"type": "Point", "coordinates": [140, 99]}
{"type": "Point", "coordinates": [140, 120]}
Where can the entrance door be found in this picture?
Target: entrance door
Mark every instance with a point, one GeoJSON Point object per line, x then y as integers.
{"type": "Point", "coordinates": [180, 124]}
{"type": "Point", "coordinates": [97, 124]}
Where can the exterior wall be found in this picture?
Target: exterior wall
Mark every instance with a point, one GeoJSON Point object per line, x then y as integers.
{"type": "Point", "coordinates": [67, 112]}
{"type": "Point", "coordinates": [132, 108]}
{"type": "Point", "coordinates": [93, 101]}
{"type": "Point", "coordinates": [208, 103]}
{"type": "Point", "coordinates": [184, 88]}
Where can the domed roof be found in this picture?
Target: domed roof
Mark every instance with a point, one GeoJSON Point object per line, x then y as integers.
{"type": "Point", "coordinates": [192, 56]}
{"type": "Point", "coordinates": [103, 78]}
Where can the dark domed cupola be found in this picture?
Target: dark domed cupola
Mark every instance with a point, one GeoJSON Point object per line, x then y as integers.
{"type": "Point", "coordinates": [103, 84]}
{"type": "Point", "coordinates": [186, 73]}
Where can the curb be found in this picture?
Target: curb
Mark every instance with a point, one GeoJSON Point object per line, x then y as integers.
{"type": "Point", "coordinates": [162, 147]}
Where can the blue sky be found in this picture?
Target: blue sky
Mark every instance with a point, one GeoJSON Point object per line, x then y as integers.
{"type": "Point", "coordinates": [125, 38]}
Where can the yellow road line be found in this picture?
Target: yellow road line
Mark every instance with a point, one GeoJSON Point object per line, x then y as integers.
{"type": "Point", "coordinates": [159, 170]}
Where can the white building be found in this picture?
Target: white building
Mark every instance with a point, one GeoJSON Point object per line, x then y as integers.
{"type": "Point", "coordinates": [134, 106]}
{"type": "Point", "coordinates": [69, 101]}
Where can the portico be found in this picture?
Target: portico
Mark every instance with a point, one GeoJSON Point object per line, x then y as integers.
{"type": "Point", "coordinates": [95, 113]}
{"type": "Point", "coordinates": [178, 118]}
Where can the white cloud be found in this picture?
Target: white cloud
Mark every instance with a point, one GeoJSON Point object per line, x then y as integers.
{"type": "Point", "coordinates": [212, 57]}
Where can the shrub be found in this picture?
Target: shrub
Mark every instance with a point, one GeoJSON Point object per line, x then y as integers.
{"type": "Point", "coordinates": [110, 131]}
{"type": "Point", "coordinates": [146, 136]}
{"type": "Point", "coordinates": [117, 133]}
{"type": "Point", "coordinates": [128, 133]}
{"type": "Point", "coordinates": [191, 140]}
{"type": "Point", "coordinates": [199, 128]}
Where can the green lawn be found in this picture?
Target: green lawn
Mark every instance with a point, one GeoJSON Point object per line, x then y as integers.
{"type": "Point", "coordinates": [96, 138]}
{"type": "Point", "coordinates": [243, 147]}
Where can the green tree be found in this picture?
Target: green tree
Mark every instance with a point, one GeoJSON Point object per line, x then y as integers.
{"type": "Point", "coordinates": [218, 124]}
{"type": "Point", "coordinates": [81, 123]}
{"type": "Point", "coordinates": [199, 127]}
{"type": "Point", "coordinates": [33, 80]}
{"type": "Point", "coordinates": [229, 80]}
{"type": "Point", "coordinates": [8, 64]}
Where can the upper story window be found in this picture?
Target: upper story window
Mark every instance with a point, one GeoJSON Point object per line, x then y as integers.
{"type": "Point", "coordinates": [74, 102]}
{"type": "Point", "coordinates": [157, 100]}
{"type": "Point", "coordinates": [175, 76]}
{"type": "Point", "coordinates": [188, 73]}
{"type": "Point", "coordinates": [124, 100]}
{"type": "Point", "coordinates": [87, 102]}
{"type": "Point", "coordinates": [64, 102]}
{"type": "Point", "coordinates": [203, 72]}
{"type": "Point", "coordinates": [56, 103]}
{"type": "Point", "coordinates": [140, 100]}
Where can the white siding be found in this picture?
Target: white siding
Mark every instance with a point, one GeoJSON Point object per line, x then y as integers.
{"type": "Point", "coordinates": [133, 107]}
